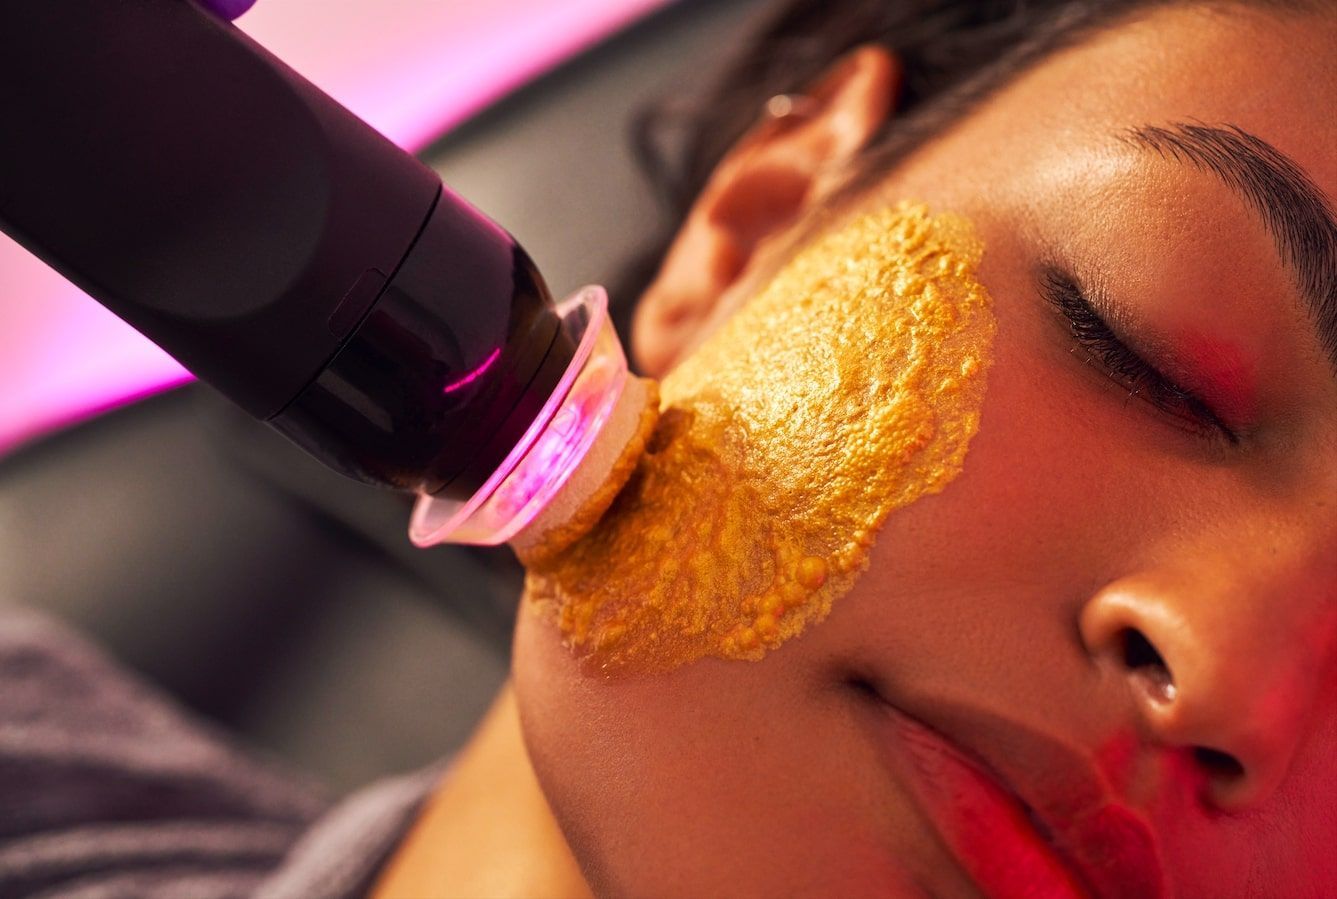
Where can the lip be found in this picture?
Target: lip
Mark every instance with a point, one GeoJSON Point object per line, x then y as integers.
{"type": "Point", "coordinates": [1064, 837]}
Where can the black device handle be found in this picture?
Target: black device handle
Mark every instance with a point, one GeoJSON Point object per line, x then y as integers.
{"type": "Point", "coordinates": [250, 225]}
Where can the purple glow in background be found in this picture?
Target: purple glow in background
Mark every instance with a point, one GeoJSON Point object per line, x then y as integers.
{"type": "Point", "coordinates": [412, 69]}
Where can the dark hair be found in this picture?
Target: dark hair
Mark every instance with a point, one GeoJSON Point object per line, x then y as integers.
{"type": "Point", "coordinates": [954, 53]}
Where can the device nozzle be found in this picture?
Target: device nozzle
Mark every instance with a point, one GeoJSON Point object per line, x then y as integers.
{"type": "Point", "coordinates": [571, 462]}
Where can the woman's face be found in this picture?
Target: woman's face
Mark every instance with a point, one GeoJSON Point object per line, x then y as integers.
{"type": "Point", "coordinates": [1125, 605]}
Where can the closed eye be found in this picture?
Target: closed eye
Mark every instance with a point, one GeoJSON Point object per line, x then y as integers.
{"type": "Point", "coordinates": [1099, 345]}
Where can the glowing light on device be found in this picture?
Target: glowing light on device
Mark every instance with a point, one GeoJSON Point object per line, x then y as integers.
{"type": "Point", "coordinates": [551, 449]}
{"type": "Point", "coordinates": [473, 375]}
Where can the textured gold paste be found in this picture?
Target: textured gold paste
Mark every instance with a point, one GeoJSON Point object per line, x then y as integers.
{"type": "Point", "coordinates": [850, 386]}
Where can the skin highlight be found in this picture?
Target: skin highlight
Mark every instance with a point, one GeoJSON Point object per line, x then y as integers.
{"type": "Point", "coordinates": [849, 387]}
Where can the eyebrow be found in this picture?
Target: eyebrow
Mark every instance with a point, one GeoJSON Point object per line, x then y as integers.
{"type": "Point", "coordinates": [1293, 209]}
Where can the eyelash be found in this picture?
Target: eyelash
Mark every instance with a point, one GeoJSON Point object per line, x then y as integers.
{"type": "Point", "coordinates": [1122, 364]}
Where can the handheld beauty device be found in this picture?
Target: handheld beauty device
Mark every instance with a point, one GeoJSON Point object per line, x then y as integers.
{"type": "Point", "coordinates": [301, 264]}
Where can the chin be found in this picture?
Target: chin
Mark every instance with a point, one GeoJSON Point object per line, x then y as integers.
{"type": "Point", "coordinates": [718, 778]}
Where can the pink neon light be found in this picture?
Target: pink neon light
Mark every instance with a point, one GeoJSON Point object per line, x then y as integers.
{"type": "Point", "coordinates": [473, 375]}
{"type": "Point", "coordinates": [411, 71]}
{"type": "Point", "coordinates": [553, 453]}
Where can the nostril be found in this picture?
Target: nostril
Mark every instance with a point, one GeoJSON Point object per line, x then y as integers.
{"type": "Point", "coordinates": [1218, 764]}
{"type": "Point", "coordinates": [1141, 658]}
{"type": "Point", "coordinates": [1138, 651]}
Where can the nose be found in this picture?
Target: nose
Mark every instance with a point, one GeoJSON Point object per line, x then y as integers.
{"type": "Point", "coordinates": [1224, 656]}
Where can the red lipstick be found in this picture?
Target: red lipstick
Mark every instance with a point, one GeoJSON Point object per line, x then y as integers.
{"type": "Point", "coordinates": [1064, 840]}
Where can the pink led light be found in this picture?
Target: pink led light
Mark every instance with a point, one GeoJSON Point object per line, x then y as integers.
{"type": "Point", "coordinates": [557, 451]}
{"type": "Point", "coordinates": [546, 458]}
{"type": "Point", "coordinates": [473, 375]}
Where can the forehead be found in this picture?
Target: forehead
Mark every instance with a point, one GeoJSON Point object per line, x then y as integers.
{"type": "Point", "coordinates": [1271, 73]}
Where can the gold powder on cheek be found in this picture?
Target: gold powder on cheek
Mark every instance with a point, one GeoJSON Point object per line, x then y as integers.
{"type": "Point", "coordinates": [850, 386]}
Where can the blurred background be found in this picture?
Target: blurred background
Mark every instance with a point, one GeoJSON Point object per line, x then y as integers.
{"type": "Point", "coordinates": [267, 594]}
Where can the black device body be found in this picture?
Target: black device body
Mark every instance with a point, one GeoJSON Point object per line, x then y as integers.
{"type": "Point", "coordinates": [276, 245]}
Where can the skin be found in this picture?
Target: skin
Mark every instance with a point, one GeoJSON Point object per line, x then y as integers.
{"type": "Point", "coordinates": [1081, 513]}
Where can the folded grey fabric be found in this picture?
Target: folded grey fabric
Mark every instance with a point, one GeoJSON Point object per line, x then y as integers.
{"type": "Point", "coordinates": [107, 790]}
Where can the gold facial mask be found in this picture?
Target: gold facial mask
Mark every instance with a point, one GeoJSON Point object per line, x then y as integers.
{"type": "Point", "coordinates": [849, 387]}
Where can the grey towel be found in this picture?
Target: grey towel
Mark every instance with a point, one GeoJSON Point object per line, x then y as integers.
{"type": "Point", "coordinates": [107, 790]}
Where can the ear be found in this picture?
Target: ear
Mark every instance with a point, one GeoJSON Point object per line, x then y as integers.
{"type": "Point", "coordinates": [781, 169]}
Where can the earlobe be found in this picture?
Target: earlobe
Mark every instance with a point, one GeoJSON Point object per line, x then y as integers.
{"type": "Point", "coordinates": [780, 170]}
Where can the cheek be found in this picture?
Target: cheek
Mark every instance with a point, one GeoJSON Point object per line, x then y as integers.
{"type": "Point", "coordinates": [846, 389]}
{"type": "Point", "coordinates": [1064, 475]}
{"type": "Point", "coordinates": [971, 582]}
